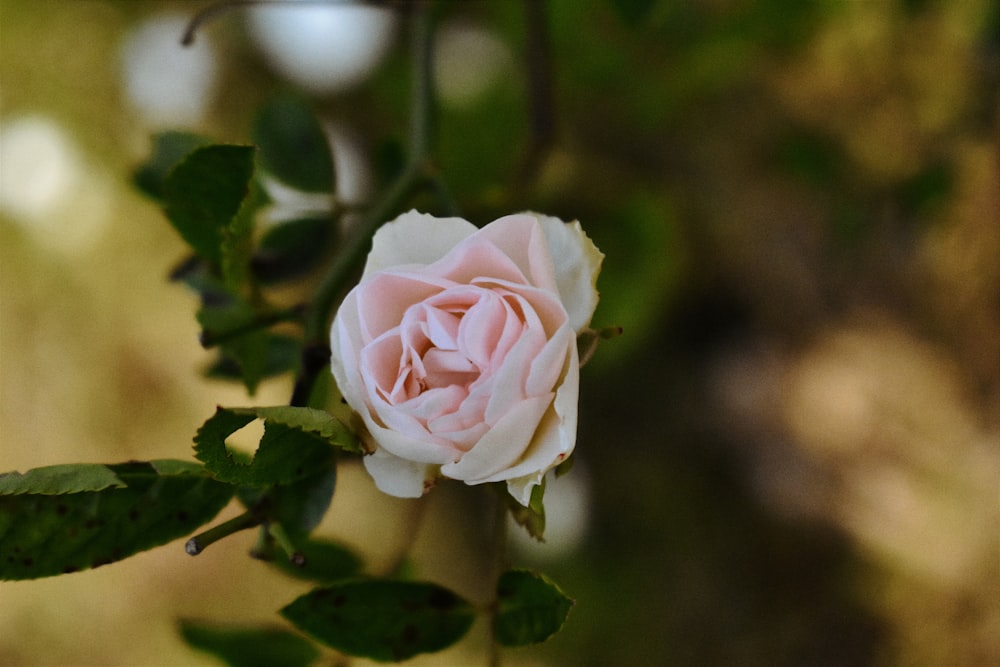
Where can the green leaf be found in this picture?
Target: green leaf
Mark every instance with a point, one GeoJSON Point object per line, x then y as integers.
{"type": "Point", "coordinates": [309, 420]}
{"type": "Point", "coordinates": [204, 193]}
{"type": "Point", "coordinates": [293, 146]}
{"type": "Point", "coordinates": [280, 355]}
{"type": "Point", "coordinates": [297, 443]}
{"type": "Point", "coordinates": [60, 479]}
{"type": "Point", "coordinates": [228, 314]}
{"type": "Point", "coordinates": [532, 517]}
{"type": "Point", "coordinates": [250, 353]}
{"type": "Point", "coordinates": [235, 326]}
{"type": "Point", "coordinates": [249, 646]}
{"type": "Point", "coordinates": [382, 620]}
{"type": "Point", "coordinates": [325, 562]}
{"type": "Point", "coordinates": [43, 534]}
{"type": "Point", "coordinates": [530, 608]}
{"type": "Point", "coordinates": [301, 506]}
{"type": "Point", "coordinates": [292, 249]}
{"type": "Point", "coordinates": [169, 148]}
{"type": "Point", "coordinates": [633, 12]}
{"type": "Point", "coordinates": [237, 241]}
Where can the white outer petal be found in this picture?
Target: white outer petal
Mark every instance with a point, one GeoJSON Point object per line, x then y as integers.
{"type": "Point", "coordinates": [555, 438]}
{"type": "Point", "coordinates": [398, 477]}
{"type": "Point", "coordinates": [415, 238]}
{"type": "Point", "coordinates": [577, 262]}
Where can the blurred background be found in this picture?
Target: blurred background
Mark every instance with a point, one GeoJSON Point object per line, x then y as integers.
{"type": "Point", "coordinates": [791, 456]}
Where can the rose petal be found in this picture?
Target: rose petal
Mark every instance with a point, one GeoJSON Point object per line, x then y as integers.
{"type": "Point", "coordinates": [577, 263]}
{"type": "Point", "coordinates": [555, 439]}
{"type": "Point", "coordinates": [398, 477]}
{"type": "Point", "coordinates": [502, 445]}
{"type": "Point", "coordinates": [423, 450]}
{"type": "Point", "coordinates": [415, 238]}
{"type": "Point", "coordinates": [522, 239]}
{"type": "Point", "coordinates": [474, 257]}
{"type": "Point", "coordinates": [383, 300]}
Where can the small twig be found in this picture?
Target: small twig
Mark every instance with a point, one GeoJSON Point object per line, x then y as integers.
{"type": "Point", "coordinates": [201, 541]}
{"type": "Point", "coordinates": [276, 531]}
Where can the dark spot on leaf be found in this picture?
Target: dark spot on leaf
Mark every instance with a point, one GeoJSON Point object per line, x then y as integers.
{"type": "Point", "coordinates": [505, 591]}
{"type": "Point", "coordinates": [442, 599]}
{"type": "Point", "coordinates": [28, 562]}
{"type": "Point", "coordinates": [16, 549]}
{"type": "Point", "coordinates": [98, 562]}
{"type": "Point", "coordinates": [10, 559]}
{"type": "Point", "coordinates": [61, 510]}
{"type": "Point", "coordinates": [89, 524]}
{"type": "Point", "coordinates": [339, 601]}
{"type": "Point", "coordinates": [133, 514]}
{"type": "Point", "coordinates": [411, 634]}
{"type": "Point", "coordinates": [182, 515]}
{"type": "Point", "coordinates": [298, 471]}
{"type": "Point", "coordinates": [69, 569]}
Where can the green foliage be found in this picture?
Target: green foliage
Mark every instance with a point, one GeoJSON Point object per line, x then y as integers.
{"type": "Point", "coordinates": [530, 608]}
{"type": "Point", "coordinates": [249, 646]}
{"type": "Point", "coordinates": [169, 148]}
{"type": "Point", "coordinates": [297, 443]}
{"type": "Point", "coordinates": [532, 517]}
{"type": "Point", "coordinates": [382, 620]}
{"type": "Point", "coordinates": [293, 146]}
{"type": "Point", "coordinates": [291, 249]}
{"type": "Point", "coordinates": [300, 506]}
{"type": "Point", "coordinates": [58, 522]}
{"type": "Point", "coordinates": [632, 12]}
{"type": "Point", "coordinates": [60, 479]}
{"type": "Point", "coordinates": [238, 362]}
{"type": "Point", "coordinates": [204, 193]}
{"type": "Point", "coordinates": [325, 562]}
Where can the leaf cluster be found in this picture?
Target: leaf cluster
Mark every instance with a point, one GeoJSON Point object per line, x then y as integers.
{"type": "Point", "coordinates": [215, 197]}
{"type": "Point", "coordinates": [240, 261]}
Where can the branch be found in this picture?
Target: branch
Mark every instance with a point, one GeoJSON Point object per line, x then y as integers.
{"type": "Point", "coordinates": [353, 252]}
{"type": "Point", "coordinates": [541, 107]}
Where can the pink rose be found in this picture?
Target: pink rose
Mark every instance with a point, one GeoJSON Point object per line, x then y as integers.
{"type": "Point", "coordinates": [458, 349]}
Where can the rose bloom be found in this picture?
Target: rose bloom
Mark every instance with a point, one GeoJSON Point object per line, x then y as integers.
{"type": "Point", "coordinates": [458, 349]}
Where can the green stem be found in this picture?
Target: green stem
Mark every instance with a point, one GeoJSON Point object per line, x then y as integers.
{"type": "Point", "coordinates": [211, 338]}
{"type": "Point", "coordinates": [358, 243]}
{"type": "Point", "coordinates": [411, 528]}
{"type": "Point", "coordinates": [500, 565]}
{"type": "Point", "coordinates": [281, 537]}
{"type": "Point", "coordinates": [352, 253]}
{"type": "Point", "coordinates": [201, 541]}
